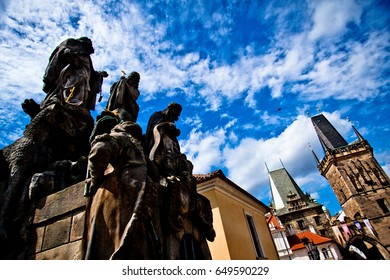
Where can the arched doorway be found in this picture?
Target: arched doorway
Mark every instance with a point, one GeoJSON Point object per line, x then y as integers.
{"type": "Point", "coordinates": [364, 247]}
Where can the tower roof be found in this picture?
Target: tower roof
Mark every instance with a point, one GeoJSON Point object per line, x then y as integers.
{"type": "Point", "coordinates": [285, 191]}
{"type": "Point", "coordinates": [329, 137]}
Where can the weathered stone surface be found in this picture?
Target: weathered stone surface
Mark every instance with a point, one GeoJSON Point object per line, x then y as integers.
{"type": "Point", "coordinates": [60, 203]}
{"type": "Point", "coordinates": [77, 226]}
{"type": "Point", "coordinates": [69, 251]}
{"type": "Point", "coordinates": [39, 239]}
{"type": "Point", "coordinates": [57, 233]}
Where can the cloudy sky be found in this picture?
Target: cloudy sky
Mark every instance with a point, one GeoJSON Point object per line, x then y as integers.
{"type": "Point", "coordinates": [248, 74]}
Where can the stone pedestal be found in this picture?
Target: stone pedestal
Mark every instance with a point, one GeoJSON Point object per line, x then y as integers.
{"type": "Point", "coordinates": [58, 225]}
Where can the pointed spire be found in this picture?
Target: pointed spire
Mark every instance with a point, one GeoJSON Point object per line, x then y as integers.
{"type": "Point", "coordinates": [329, 137]}
{"type": "Point", "coordinates": [314, 154]}
{"type": "Point", "coordinates": [360, 137]}
{"type": "Point", "coordinates": [266, 166]}
{"type": "Point", "coordinates": [283, 187]}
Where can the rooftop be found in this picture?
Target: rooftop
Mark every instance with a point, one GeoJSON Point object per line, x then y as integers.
{"type": "Point", "coordinates": [296, 243]}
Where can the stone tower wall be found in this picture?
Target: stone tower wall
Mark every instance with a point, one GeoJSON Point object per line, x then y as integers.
{"type": "Point", "coordinates": [358, 182]}
{"type": "Point", "coordinates": [307, 215]}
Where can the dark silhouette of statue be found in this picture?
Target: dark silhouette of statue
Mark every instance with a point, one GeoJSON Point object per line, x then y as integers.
{"type": "Point", "coordinates": [124, 94]}
{"type": "Point", "coordinates": [123, 98]}
{"type": "Point", "coordinates": [117, 211]}
{"type": "Point", "coordinates": [142, 201]}
{"type": "Point", "coordinates": [58, 132]}
{"type": "Point", "coordinates": [186, 215]}
{"type": "Point", "coordinates": [70, 77]}
{"type": "Point", "coordinates": [162, 147]}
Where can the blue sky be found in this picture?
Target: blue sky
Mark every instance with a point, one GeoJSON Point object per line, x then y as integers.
{"type": "Point", "coordinates": [246, 73]}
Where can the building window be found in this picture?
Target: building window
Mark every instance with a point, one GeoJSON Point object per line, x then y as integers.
{"type": "Point", "coordinates": [254, 236]}
{"type": "Point", "coordinates": [317, 220]}
{"type": "Point", "coordinates": [325, 253]}
{"type": "Point", "coordinates": [383, 205]}
{"type": "Point", "coordinates": [301, 224]}
{"type": "Point", "coordinates": [290, 229]}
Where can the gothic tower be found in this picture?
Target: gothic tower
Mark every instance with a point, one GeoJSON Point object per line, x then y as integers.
{"type": "Point", "coordinates": [357, 179]}
{"type": "Point", "coordinates": [295, 209]}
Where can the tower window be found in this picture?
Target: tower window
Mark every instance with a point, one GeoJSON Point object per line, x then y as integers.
{"type": "Point", "coordinates": [383, 205]}
{"type": "Point", "coordinates": [255, 236]}
{"type": "Point", "coordinates": [301, 224]}
{"type": "Point", "coordinates": [317, 220]}
{"type": "Point", "coordinates": [290, 229]}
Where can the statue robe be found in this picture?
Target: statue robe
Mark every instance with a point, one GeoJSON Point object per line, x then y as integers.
{"type": "Point", "coordinates": [116, 222]}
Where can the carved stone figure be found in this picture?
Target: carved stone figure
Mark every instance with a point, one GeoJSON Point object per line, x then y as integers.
{"type": "Point", "coordinates": [60, 175]}
{"type": "Point", "coordinates": [56, 133]}
{"type": "Point", "coordinates": [118, 180]}
{"type": "Point", "coordinates": [124, 94]}
{"type": "Point", "coordinates": [142, 198]}
{"type": "Point", "coordinates": [186, 215]}
{"type": "Point", "coordinates": [70, 76]}
{"type": "Point", "coordinates": [162, 147]}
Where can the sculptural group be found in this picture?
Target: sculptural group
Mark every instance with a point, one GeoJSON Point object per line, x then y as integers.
{"type": "Point", "coordinates": [141, 195]}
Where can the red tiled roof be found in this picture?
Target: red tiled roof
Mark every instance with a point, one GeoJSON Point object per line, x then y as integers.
{"type": "Point", "coordinates": [204, 177]}
{"type": "Point", "coordinates": [271, 219]}
{"type": "Point", "coordinates": [296, 243]}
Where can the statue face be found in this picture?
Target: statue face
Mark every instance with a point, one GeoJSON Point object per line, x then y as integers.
{"type": "Point", "coordinates": [174, 114]}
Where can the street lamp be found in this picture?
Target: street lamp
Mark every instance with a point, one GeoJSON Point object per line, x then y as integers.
{"type": "Point", "coordinates": [312, 250]}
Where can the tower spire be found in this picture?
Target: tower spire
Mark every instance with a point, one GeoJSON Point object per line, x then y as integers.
{"type": "Point", "coordinates": [360, 137]}
{"type": "Point", "coordinates": [314, 154]}
{"type": "Point", "coordinates": [329, 137]}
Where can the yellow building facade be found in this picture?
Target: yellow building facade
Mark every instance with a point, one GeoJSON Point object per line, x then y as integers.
{"type": "Point", "coordinates": [239, 221]}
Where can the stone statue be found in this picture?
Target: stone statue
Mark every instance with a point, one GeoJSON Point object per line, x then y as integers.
{"type": "Point", "coordinates": [186, 215]}
{"type": "Point", "coordinates": [123, 97]}
{"type": "Point", "coordinates": [116, 210]}
{"type": "Point", "coordinates": [142, 199]}
{"type": "Point", "coordinates": [55, 133]}
{"type": "Point", "coordinates": [69, 77]}
{"type": "Point", "coordinates": [124, 94]}
{"type": "Point", "coordinates": [162, 147]}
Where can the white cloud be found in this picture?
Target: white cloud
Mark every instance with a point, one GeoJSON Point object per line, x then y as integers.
{"type": "Point", "coordinates": [291, 146]}
{"type": "Point", "coordinates": [331, 17]}
{"type": "Point", "coordinates": [203, 149]}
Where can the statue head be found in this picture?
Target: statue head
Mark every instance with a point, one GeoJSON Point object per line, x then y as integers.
{"type": "Point", "coordinates": [174, 110]}
{"type": "Point", "coordinates": [133, 79]}
{"type": "Point", "coordinates": [87, 43]}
